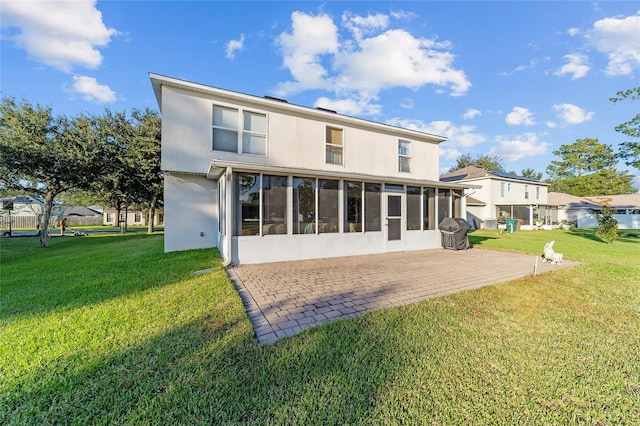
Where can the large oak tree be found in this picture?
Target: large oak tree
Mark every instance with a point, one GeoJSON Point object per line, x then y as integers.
{"type": "Point", "coordinates": [46, 155]}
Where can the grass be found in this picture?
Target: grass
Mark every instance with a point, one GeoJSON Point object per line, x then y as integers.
{"type": "Point", "coordinates": [102, 330]}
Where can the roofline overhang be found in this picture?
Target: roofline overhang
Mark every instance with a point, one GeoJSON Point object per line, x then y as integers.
{"type": "Point", "coordinates": [158, 81]}
{"type": "Point", "coordinates": [496, 178]}
{"type": "Point", "coordinates": [218, 168]}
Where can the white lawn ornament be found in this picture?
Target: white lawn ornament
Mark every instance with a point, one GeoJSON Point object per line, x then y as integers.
{"type": "Point", "coordinates": [549, 255]}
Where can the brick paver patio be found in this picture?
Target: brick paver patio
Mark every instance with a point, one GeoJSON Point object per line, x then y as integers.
{"type": "Point", "coordinates": [284, 298]}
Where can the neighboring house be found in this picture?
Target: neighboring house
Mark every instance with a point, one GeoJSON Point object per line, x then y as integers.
{"type": "Point", "coordinates": [23, 212]}
{"type": "Point", "coordinates": [133, 217]}
{"type": "Point", "coordinates": [580, 210]}
{"type": "Point", "coordinates": [503, 196]}
{"type": "Point", "coordinates": [265, 180]}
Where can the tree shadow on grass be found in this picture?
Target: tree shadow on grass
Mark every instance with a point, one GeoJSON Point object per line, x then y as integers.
{"type": "Point", "coordinates": [478, 239]}
{"type": "Point", "coordinates": [629, 236]}
{"type": "Point", "coordinates": [210, 371]}
{"type": "Point", "coordinates": [76, 272]}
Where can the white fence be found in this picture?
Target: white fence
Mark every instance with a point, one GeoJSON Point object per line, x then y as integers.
{"type": "Point", "coordinates": [625, 221]}
{"type": "Point", "coordinates": [30, 221]}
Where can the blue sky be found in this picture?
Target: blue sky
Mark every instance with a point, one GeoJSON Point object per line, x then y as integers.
{"type": "Point", "coordinates": [510, 79]}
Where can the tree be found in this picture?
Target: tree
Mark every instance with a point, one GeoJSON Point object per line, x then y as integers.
{"type": "Point", "coordinates": [144, 157]}
{"type": "Point", "coordinates": [115, 186]}
{"type": "Point", "coordinates": [629, 151]}
{"type": "Point", "coordinates": [45, 155]}
{"type": "Point", "coordinates": [483, 161]}
{"type": "Point", "coordinates": [607, 225]}
{"type": "Point", "coordinates": [531, 174]}
{"type": "Point", "coordinates": [587, 167]}
{"type": "Point", "coordinates": [135, 177]}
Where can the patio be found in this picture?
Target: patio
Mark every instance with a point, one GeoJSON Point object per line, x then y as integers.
{"type": "Point", "coordinates": [284, 298]}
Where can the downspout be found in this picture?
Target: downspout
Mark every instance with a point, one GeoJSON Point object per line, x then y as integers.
{"type": "Point", "coordinates": [228, 222]}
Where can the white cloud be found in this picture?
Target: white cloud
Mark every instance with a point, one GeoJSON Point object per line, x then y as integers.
{"type": "Point", "coordinates": [618, 39]}
{"type": "Point", "coordinates": [532, 64]}
{"type": "Point", "coordinates": [471, 113]}
{"type": "Point", "coordinates": [353, 106]}
{"type": "Point", "coordinates": [310, 37]}
{"type": "Point", "coordinates": [577, 66]}
{"type": "Point", "coordinates": [233, 46]}
{"type": "Point", "coordinates": [520, 117]}
{"type": "Point", "coordinates": [525, 145]}
{"type": "Point", "coordinates": [364, 25]}
{"type": "Point", "coordinates": [407, 103]}
{"type": "Point", "coordinates": [61, 34]}
{"type": "Point", "coordinates": [572, 114]}
{"type": "Point", "coordinates": [91, 90]}
{"type": "Point", "coordinates": [365, 60]}
{"type": "Point", "coordinates": [457, 136]}
{"type": "Point", "coordinates": [573, 31]}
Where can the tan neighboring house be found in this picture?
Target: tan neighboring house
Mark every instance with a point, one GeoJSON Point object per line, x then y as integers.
{"type": "Point", "coordinates": [133, 217]}
{"type": "Point", "coordinates": [581, 210]}
{"type": "Point", "coordinates": [504, 196]}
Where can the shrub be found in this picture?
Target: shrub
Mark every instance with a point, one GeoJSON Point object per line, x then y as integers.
{"type": "Point", "coordinates": [607, 225]}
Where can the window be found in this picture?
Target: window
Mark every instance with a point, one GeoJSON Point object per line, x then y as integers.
{"type": "Point", "coordinates": [137, 217]}
{"type": "Point", "coordinates": [304, 205]}
{"type": "Point", "coordinates": [372, 211]}
{"type": "Point", "coordinates": [404, 156]}
{"type": "Point", "coordinates": [328, 201]}
{"type": "Point", "coordinates": [413, 208]}
{"type": "Point", "coordinates": [247, 204]}
{"type": "Point", "coordinates": [526, 192]}
{"type": "Point", "coordinates": [502, 189]}
{"type": "Point", "coordinates": [225, 129]}
{"type": "Point", "coordinates": [334, 146]}
{"type": "Point", "coordinates": [111, 217]}
{"type": "Point", "coordinates": [537, 192]}
{"type": "Point", "coordinates": [252, 139]}
{"type": "Point", "coordinates": [444, 204]}
{"type": "Point", "coordinates": [274, 204]}
{"type": "Point", "coordinates": [429, 208]}
{"type": "Point", "coordinates": [353, 207]}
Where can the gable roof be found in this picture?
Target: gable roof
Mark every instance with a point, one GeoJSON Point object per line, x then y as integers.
{"type": "Point", "coordinates": [615, 201]}
{"type": "Point", "coordinates": [283, 106]}
{"type": "Point", "coordinates": [473, 173]}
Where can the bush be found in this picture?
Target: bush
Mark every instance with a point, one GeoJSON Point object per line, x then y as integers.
{"type": "Point", "coordinates": [607, 226]}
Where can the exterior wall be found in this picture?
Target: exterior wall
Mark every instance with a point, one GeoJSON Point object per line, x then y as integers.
{"type": "Point", "coordinates": [292, 140]}
{"type": "Point", "coordinates": [200, 208]}
{"type": "Point", "coordinates": [585, 219]}
{"type": "Point", "coordinates": [191, 219]}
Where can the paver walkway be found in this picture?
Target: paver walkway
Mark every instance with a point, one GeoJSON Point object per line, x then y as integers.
{"type": "Point", "coordinates": [284, 298]}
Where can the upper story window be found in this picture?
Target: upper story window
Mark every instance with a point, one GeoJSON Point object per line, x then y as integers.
{"type": "Point", "coordinates": [404, 156]}
{"type": "Point", "coordinates": [526, 192]}
{"type": "Point", "coordinates": [238, 131]}
{"type": "Point", "coordinates": [502, 186]}
{"type": "Point", "coordinates": [537, 192]}
{"type": "Point", "coordinates": [334, 146]}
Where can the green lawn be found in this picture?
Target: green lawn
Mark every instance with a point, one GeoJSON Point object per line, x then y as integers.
{"type": "Point", "coordinates": [109, 329]}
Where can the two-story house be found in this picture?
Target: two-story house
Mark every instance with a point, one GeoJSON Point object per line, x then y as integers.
{"type": "Point", "coordinates": [503, 196]}
{"type": "Point", "coordinates": [265, 180]}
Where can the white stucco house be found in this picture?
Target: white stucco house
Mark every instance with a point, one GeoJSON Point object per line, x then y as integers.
{"type": "Point", "coordinates": [581, 210]}
{"type": "Point", "coordinates": [502, 196]}
{"type": "Point", "coordinates": [264, 180]}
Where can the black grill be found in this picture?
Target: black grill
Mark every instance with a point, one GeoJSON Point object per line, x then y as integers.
{"type": "Point", "coordinates": [454, 233]}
